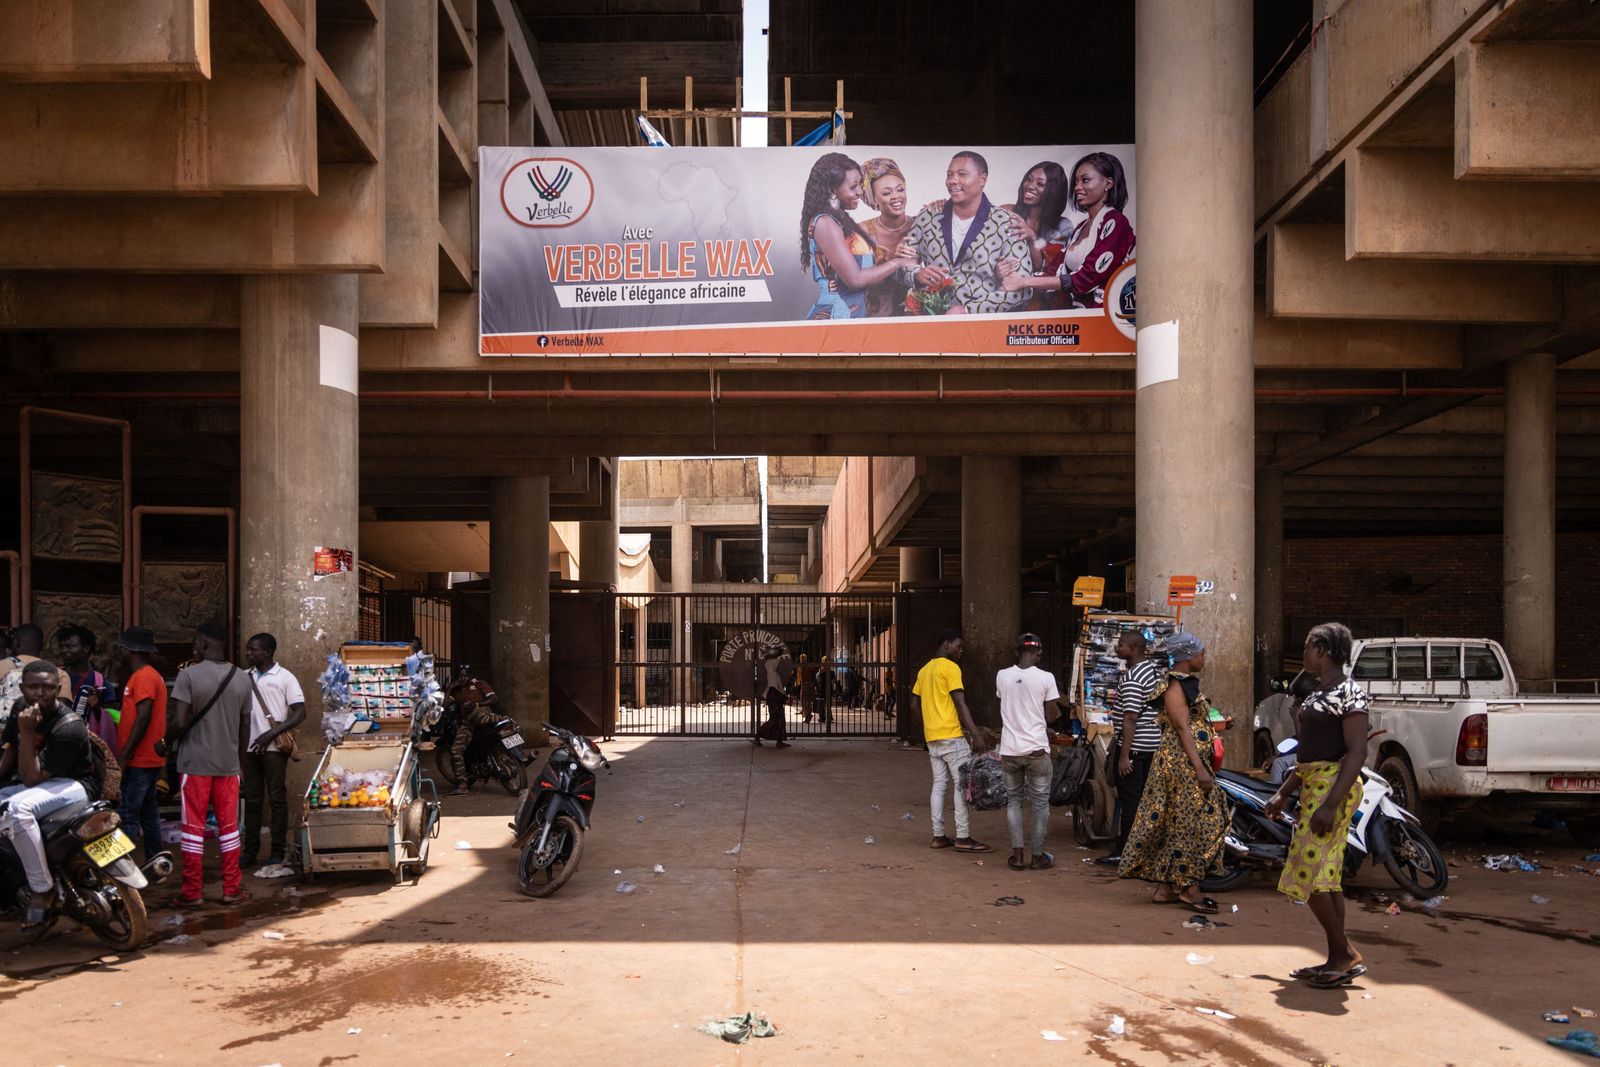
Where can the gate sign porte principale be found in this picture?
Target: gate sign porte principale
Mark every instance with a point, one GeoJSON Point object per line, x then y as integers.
{"type": "Point", "coordinates": [1088, 592]}
{"type": "Point", "coordinates": [883, 251]}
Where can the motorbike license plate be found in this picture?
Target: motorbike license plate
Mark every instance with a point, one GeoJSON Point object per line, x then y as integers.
{"type": "Point", "coordinates": [512, 740]}
{"type": "Point", "coordinates": [1571, 783]}
{"type": "Point", "coordinates": [108, 849]}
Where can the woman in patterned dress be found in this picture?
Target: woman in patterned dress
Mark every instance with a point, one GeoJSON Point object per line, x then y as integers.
{"type": "Point", "coordinates": [1177, 837]}
{"type": "Point", "coordinates": [1332, 729]}
{"type": "Point", "coordinates": [834, 246]}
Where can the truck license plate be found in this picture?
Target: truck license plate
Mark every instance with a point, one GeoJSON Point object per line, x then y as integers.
{"type": "Point", "coordinates": [1568, 783]}
{"type": "Point", "coordinates": [512, 740]}
{"type": "Point", "coordinates": [105, 851]}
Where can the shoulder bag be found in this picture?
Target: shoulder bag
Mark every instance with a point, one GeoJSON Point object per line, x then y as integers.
{"type": "Point", "coordinates": [284, 742]}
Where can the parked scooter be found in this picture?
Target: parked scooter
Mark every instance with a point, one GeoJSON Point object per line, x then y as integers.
{"type": "Point", "coordinates": [97, 882]}
{"type": "Point", "coordinates": [1380, 830]}
{"type": "Point", "coordinates": [553, 814]}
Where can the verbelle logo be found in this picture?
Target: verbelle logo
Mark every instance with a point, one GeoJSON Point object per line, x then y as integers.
{"type": "Point", "coordinates": [547, 191]}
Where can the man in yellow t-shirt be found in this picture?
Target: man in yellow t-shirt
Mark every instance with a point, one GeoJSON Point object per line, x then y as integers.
{"type": "Point", "coordinates": [939, 699]}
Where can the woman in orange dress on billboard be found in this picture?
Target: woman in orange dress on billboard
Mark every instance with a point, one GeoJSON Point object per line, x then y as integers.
{"type": "Point", "coordinates": [884, 187]}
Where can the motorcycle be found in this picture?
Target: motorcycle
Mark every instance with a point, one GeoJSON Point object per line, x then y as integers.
{"type": "Point", "coordinates": [97, 882]}
{"type": "Point", "coordinates": [496, 752]}
{"type": "Point", "coordinates": [553, 815]}
{"type": "Point", "coordinates": [1380, 830]}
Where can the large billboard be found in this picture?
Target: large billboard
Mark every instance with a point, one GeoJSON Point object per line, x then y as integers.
{"type": "Point", "coordinates": [983, 251]}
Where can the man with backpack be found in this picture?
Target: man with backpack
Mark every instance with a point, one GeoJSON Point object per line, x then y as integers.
{"type": "Point", "coordinates": [28, 640]}
{"type": "Point", "coordinates": [47, 764]}
{"type": "Point", "coordinates": [210, 750]}
{"type": "Point", "coordinates": [76, 645]}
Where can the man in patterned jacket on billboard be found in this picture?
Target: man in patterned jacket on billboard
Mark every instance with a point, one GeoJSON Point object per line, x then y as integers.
{"type": "Point", "coordinates": [965, 240]}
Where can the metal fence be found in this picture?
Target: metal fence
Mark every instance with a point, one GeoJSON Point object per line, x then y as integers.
{"type": "Point", "coordinates": [691, 664]}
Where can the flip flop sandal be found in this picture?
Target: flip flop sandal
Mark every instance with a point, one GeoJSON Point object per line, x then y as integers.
{"type": "Point", "coordinates": [1043, 861]}
{"type": "Point", "coordinates": [1203, 906]}
{"type": "Point", "coordinates": [973, 846]}
{"type": "Point", "coordinates": [1338, 979]}
{"type": "Point", "coordinates": [238, 898]}
{"type": "Point", "coordinates": [1306, 973]}
{"type": "Point", "coordinates": [942, 842]}
{"type": "Point", "coordinates": [1015, 864]}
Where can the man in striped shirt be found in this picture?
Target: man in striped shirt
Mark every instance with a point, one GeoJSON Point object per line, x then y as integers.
{"type": "Point", "coordinates": [1141, 730]}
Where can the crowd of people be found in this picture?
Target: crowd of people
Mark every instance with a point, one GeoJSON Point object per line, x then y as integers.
{"type": "Point", "coordinates": [1173, 816]}
{"type": "Point", "coordinates": [1053, 247]}
{"type": "Point", "coordinates": [221, 734]}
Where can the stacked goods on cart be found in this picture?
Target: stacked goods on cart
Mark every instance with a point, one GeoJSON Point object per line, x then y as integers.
{"type": "Point", "coordinates": [337, 787]}
{"type": "Point", "coordinates": [367, 689]}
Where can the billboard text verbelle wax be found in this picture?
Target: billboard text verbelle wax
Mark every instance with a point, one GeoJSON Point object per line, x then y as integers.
{"type": "Point", "coordinates": [1014, 251]}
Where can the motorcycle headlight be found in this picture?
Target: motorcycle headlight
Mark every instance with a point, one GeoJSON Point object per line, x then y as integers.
{"type": "Point", "coordinates": [588, 755]}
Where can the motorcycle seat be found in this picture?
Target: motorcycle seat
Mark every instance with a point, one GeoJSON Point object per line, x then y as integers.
{"type": "Point", "coordinates": [57, 821]}
{"type": "Point", "coordinates": [1244, 781]}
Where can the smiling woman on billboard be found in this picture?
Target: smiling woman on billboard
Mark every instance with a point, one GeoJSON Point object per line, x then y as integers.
{"type": "Point", "coordinates": [834, 246]}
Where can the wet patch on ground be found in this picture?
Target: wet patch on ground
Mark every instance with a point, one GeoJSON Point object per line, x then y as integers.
{"type": "Point", "coordinates": [311, 986]}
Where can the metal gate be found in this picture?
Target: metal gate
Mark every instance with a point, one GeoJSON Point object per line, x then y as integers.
{"type": "Point", "coordinates": [690, 664]}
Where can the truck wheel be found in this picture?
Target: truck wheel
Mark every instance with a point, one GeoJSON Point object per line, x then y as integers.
{"type": "Point", "coordinates": [1398, 773]}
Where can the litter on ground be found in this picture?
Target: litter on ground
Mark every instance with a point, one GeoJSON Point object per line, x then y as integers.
{"type": "Point", "coordinates": [1194, 959]}
{"type": "Point", "coordinates": [1583, 1041]}
{"type": "Point", "coordinates": [1537, 899]}
{"type": "Point", "coordinates": [463, 846]}
{"type": "Point", "coordinates": [273, 935]}
{"type": "Point", "coordinates": [734, 851]}
{"type": "Point", "coordinates": [1218, 1012]}
{"type": "Point", "coordinates": [1118, 1027]}
{"type": "Point", "coordinates": [737, 1029]}
{"type": "Point", "coordinates": [1509, 862]}
{"type": "Point", "coordinates": [626, 887]}
{"type": "Point", "coordinates": [1051, 1035]}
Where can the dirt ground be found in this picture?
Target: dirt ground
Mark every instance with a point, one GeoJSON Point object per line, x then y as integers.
{"type": "Point", "coordinates": [882, 953]}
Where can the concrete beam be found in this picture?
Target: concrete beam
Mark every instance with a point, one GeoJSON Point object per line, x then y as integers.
{"type": "Point", "coordinates": [339, 230]}
{"type": "Point", "coordinates": [66, 301]}
{"type": "Point", "coordinates": [251, 129]}
{"type": "Point", "coordinates": [1526, 109]}
{"type": "Point", "coordinates": [1407, 204]}
{"type": "Point", "coordinates": [1344, 344]}
{"type": "Point", "coordinates": [75, 40]}
{"type": "Point", "coordinates": [1309, 277]}
{"type": "Point", "coordinates": [407, 292]}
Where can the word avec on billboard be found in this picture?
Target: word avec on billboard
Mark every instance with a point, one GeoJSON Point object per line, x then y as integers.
{"type": "Point", "coordinates": [644, 261]}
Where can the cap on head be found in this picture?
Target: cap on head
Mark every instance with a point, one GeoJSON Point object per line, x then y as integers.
{"type": "Point", "coordinates": [1029, 643]}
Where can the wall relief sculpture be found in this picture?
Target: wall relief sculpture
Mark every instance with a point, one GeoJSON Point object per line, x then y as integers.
{"type": "Point", "coordinates": [177, 597]}
{"type": "Point", "coordinates": [76, 518]}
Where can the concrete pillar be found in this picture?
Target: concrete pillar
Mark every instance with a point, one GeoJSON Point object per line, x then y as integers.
{"type": "Point", "coordinates": [1195, 422]}
{"type": "Point", "coordinates": [920, 564]}
{"type": "Point", "coordinates": [991, 574]}
{"type": "Point", "coordinates": [298, 429]}
{"type": "Point", "coordinates": [1530, 515]}
{"type": "Point", "coordinates": [682, 582]}
{"type": "Point", "coordinates": [597, 562]}
{"type": "Point", "coordinates": [519, 596]}
{"type": "Point", "coordinates": [597, 542]}
{"type": "Point", "coordinates": [1269, 578]}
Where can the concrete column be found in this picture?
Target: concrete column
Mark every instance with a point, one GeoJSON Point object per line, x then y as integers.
{"type": "Point", "coordinates": [597, 562]}
{"type": "Point", "coordinates": [597, 542]}
{"type": "Point", "coordinates": [1195, 422]}
{"type": "Point", "coordinates": [991, 574]}
{"type": "Point", "coordinates": [1530, 515]}
{"type": "Point", "coordinates": [1269, 578]}
{"type": "Point", "coordinates": [298, 429]}
{"type": "Point", "coordinates": [920, 564]}
{"type": "Point", "coordinates": [519, 595]}
{"type": "Point", "coordinates": [682, 582]}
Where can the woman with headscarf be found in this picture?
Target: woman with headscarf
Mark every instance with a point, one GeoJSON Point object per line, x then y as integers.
{"type": "Point", "coordinates": [884, 187]}
{"type": "Point", "coordinates": [1332, 728]}
{"type": "Point", "coordinates": [1177, 837]}
{"type": "Point", "coordinates": [1098, 245]}
{"type": "Point", "coordinates": [834, 246]}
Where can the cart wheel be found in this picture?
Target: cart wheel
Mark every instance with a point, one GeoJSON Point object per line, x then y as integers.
{"type": "Point", "coordinates": [413, 831]}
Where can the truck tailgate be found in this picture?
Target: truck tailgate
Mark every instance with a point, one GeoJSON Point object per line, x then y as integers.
{"type": "Point", "coordinates": [1554, 735]}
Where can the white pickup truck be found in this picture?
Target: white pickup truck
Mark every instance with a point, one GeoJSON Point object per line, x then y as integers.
{"type": "Point", "coordinates": [1454, 736]}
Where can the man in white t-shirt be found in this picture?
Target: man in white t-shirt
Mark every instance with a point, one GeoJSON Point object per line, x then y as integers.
{"type": "Point", "coordinates": [277, 706]}
{"type": "Point", "coordinates": [1028, 696]}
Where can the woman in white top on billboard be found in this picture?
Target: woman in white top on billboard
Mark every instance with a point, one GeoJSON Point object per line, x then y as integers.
{"type": "Point", "coordinates": [1099, 244]}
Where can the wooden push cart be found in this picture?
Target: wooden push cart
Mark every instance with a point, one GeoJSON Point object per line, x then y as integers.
{"type": "Point", "coordinates": [395, 835]}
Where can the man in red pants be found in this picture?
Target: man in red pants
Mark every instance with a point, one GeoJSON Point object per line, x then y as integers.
{"type": "Point", "coordinates": [208, 721]}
